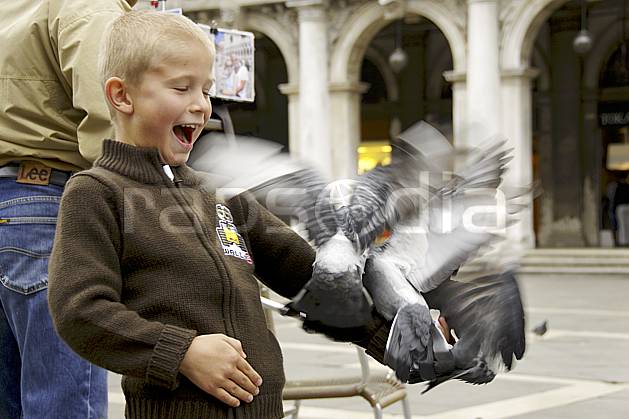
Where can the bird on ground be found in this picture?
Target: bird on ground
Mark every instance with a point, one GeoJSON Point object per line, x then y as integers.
{"type": "Point", "coordinates": [541, 328]}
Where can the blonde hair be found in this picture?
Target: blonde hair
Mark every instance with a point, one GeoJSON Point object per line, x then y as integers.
{"type": "Point", "coordinates": [137, 40]}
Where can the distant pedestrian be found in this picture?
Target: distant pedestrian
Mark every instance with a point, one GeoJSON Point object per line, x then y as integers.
{"type": "Point", "coordinates": [240, 78]}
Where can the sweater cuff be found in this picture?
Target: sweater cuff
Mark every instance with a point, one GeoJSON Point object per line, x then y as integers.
{"type": "Point", "coordinates": [378, 342]}
{"type": "Point", "coordinates": [377, 337]}
{"type": "Point", "coordinates": [171, 347]}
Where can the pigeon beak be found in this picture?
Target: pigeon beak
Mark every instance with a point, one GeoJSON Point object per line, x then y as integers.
{"type": "Point", "coordinates": [283, 309]}
{"type": "Point", "coordinates": [289, 311]}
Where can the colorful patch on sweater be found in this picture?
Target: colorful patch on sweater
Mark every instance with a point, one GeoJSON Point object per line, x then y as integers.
{"type": "Point", "coordinates": [232, 242]}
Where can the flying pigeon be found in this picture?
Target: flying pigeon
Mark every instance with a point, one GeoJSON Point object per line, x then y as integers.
{"type": "Point", "coordinates": [488, 318]}
{"type": "Point", "coordinates": [342, 219]}
{"type": "Point", "coordinates": [427, 244]}
{"type": "Point", "coordinates": [411, 273]}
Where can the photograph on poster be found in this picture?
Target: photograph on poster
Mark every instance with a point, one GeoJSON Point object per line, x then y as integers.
{"type": "Point", "coordinates": [234, 64]}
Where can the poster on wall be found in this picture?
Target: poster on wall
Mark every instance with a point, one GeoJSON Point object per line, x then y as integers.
{"type": "Point", "coordinates": [233, 65]}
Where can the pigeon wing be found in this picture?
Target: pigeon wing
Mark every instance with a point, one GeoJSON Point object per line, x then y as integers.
{"type": "Point", "coordinates": [390, 194]}
{"type": "Point", "coordinates": [410, 340]}
{"type": "Point", "coordinates": [285, 186]}
{"type": "Point", "coordinates": [445, 254]}
{"type": "Point", "coordinates": [301, 194]}
{"type": "Point", "coordinates": [436, 244]}
{"type": "Point", "coordinates": [229, 157]}
{"type": "Point", "coordinates": [486, 313]}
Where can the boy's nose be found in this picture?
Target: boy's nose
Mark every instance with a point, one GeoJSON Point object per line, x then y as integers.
{"type": "Point", "coordinates": [202, 104]}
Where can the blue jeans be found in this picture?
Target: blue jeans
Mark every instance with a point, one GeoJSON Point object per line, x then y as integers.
{"type": "Point", "coordinates": [40, 376]}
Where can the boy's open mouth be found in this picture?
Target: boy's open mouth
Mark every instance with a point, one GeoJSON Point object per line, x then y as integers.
{"type": "Point", "coordinates": [184, 132]}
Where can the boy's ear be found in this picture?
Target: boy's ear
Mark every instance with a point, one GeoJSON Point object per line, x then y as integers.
{"type": "Point", "coordinates": [117, 94]}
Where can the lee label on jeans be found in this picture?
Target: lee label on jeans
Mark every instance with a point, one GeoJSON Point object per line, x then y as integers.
{"type": "Point", "coordinates": [34, 173]}
{"type": "Point", "coordinates": [232, 242]}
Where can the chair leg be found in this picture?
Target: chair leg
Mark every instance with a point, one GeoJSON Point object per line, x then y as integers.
{"type": "Point", "coordinates": [377, 410]}
{"type": "Point", "coordinates": [297, 406]}
{"type": "Point", "coordinates": [406, 407]}
{"type": "Point", "coordinates": [293, 412]}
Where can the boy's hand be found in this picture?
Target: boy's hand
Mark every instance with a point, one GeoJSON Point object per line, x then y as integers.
{"type": "Point", "coordinates": [217, 365]}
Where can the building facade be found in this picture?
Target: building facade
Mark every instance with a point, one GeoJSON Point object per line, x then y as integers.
{"type": "Point", "coordinates": [328, 81]}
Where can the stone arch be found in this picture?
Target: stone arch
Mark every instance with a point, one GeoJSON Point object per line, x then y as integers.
{"type": "Point", "coordinates": [604, 44]}
{"type": "Point", "coordinates": [436, 80]}
{"type": "Point", "coordinates": [520, 29]}
{"type": "Point", "coordinates": [276, 33]}
{"type": "Point", "coordinates": [370, 19]}
{"type": "Point", "coordinates": [519, 35]}
{"type": "Point", "coordinates": [519, 38]}
{"type": "Point", "coordinates": [381, 63]}
{"type": "Point", "coordinates": [544, 72]}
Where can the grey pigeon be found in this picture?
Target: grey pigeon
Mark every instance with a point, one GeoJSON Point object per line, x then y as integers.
{"type": "Point", "coordinates": [541, 328]}
{"type": "Point", "coordinates": [342, 226]}
{"type": "Point", "coordinates": [488, 317]}
{"type": "Point", "coordinates": [343, 230]}
{"type": "Point", "coordinates": [411, 272]}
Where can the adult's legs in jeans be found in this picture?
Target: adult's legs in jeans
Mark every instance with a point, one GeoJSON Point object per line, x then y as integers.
{"type": "Point", "coordinates": [53, 381]}
{"type": "Point", "coordinates": [10, 366]}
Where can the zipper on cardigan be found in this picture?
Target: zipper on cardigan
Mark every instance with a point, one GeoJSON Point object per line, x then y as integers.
{"type": "Point", "coordinates": [171, 175]}
{"type": "Point", "coordinates": [217, 259]}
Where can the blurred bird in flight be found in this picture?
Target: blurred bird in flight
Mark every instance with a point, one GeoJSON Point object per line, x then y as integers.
{"type": "Point", "coordinates": [434, 220]}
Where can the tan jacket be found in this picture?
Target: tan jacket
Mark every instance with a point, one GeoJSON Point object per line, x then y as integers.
{"type": "Point", "coordinates": [52, 108]}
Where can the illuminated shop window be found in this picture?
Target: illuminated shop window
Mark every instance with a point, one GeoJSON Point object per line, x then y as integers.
{"type": "Point", "coordinates": [372, 154]}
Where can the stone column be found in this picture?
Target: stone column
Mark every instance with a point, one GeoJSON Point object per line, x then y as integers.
{"type": "Point", "coordinates": [345, 106]}
{"type": "Point", "coordinates": [483, 71]}
{"type": "Point", "coordinates": [292, 92]}
{"type": "Point", "coordinates": [517, 129]}
{"type": "Point", "coordinates": [459, 93]}
{"type": "Point", "coordinates": [314, 99]}
{"type": "Point", "coordinates": [592, 170]}
{"type": "Point", "coordinates": [567, 161]}
{"type": "Point", "coordinates": [545, 140]}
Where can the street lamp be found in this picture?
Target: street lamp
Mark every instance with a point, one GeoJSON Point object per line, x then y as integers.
{"type": "Point", "coordinates": [582, 43]}
{"type": "Point", "coordinates": [398, 58]}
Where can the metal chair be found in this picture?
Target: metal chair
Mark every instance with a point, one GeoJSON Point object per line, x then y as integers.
{"type": "Point", "coordinates": [378, 389]}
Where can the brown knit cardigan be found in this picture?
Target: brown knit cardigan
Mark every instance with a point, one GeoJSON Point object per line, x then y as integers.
{"type": "Point", "coordinates": [142, 264]}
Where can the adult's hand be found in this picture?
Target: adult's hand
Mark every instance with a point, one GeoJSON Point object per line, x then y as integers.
{"type": "Point", "coordinates": [446, 331]}
{"type": "Point", "coordinates": [216, 364]}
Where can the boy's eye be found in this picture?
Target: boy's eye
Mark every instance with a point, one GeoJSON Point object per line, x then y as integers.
{"type": "Point", "coordinates": [181, 89]}
{"type": "Point", "coordinates": [206, 93]}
